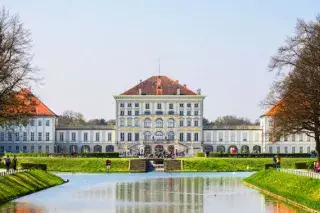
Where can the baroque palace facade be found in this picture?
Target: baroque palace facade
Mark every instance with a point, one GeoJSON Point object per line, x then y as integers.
{"type": "Point", "coordinates": [157, 114]}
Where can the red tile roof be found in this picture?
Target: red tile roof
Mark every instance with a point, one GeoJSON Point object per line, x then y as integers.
{"type": "Point", "coordinates": [159, 85]}
{"type": "Point", "coordinates": [274, 109]}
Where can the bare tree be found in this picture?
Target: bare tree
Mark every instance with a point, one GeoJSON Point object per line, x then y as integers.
{"type": "Point", "coordinates": [295, 95]}
{"type": "Point", "coordinates": [70, 117]}
{"type": "Point", "coordinates": [231, 120]}
{"type": "Point", "coordinates": [16, 69]}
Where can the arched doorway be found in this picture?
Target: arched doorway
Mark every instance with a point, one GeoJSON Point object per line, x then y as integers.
{"type": "Point", "coordinates": [158, 148]}
{"type": "Point", "coordinates": [245, 149]}
{"type": "Point", "coordinates": [109, 148]}
{"type": "Point", "coordinates": [208, 148]}
{"type": "Point", "coordinates": [221, 148]}
{"type": "Point", "coordinates": [147, 149]}
{"type": "Point", "coordinates": [171, 149]}
{"type": "Point", "coordinates": [233, 149]}
{"type": "Point", "coordinates": [73, 148]}
{"type": "Point", "coordinates": [97, 148]}
{"type": "Point", "coordinates": [59, 149]}
{"type": "Point", "coordinates": [256, 149]}
{"type": "Point", "coordinates": [85, 149]}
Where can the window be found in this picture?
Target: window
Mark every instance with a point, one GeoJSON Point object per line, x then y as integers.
{"type": "Point", "coordinates": [188, 136]}
{"type": "Point", "coordinates": [278, 149]}
{"type": "Point", "coordinates": [129, 104]}
{"type": "Point", "coordinates": [220, 134]}
{"type": "Point", "coordinates": [121, 104]}
{"type": "Point", "coordinates": [17, 136]}
{"type": "Point", "coordinates": [308, 149]}
{"type": "Point", "coordinates": [196, 113]}
{"type": "Point", "coordinates": [136, 113]}
{"type": "Point", "coordinates": [244, 136]}
{"type": "Point", "coordinates": [147, 123]}
{"type": "Point", "coordinates": [9, 148]}
{"type": "Point", "coordinates": [188, 113]}
{"type": "Point", "coordinates": [232, 136]}
{"type": "Point", "coordinates": [170, 106]}
{"type": "Point", "coordinates": [171, 112]}
{"type": "Point", "coordinates": [270, 149]}
{"type": "Point", "coordinates": [301, 149]}
{"type": "Point", "coordinates": [136, 105]}
{"type": "Point", "coordinates": [159, 136]}
{"type": "Point", "coordinates": [9, 136]}
{"type": "Point", "coordinates": [136, 136]}
{"type": "Point", "coordinates": [196, 105]}
{"type": "Point", "coordinates": [308, 138]}
{"type": "Point", "coordinates": [39, 122]}
{"type": "Point", "coordinates": [97, 136]}
{"type": "Point", "coordinates": [293, 137]}
{"type": "Point", "coordinates": [32, 136]}
{"type": "Point", "coordinates": [1, 149]}
{"type": "Point", "coordinates": [158, 106]}
{"type": "Point", "coordinates": [196, 136]}
{"type": "Point", "coordinates": [171, 123]}
{"type": "Point", "coordinates": [129, 122]}
{"type": "Point", "coordinates": [285, 138]}
{"type": "Point", "coordinates": [61, 136]}
{"type": "Point", "coordinates": [121, 113]}
{"type": "Point", "coordinates": [24, 148]}
{"type": "Point", "coordinates": [39, 148]}
{"type": "Point", "coordinates": [188, 105]}
{"type": "Point", "coordinates": [147, 106]}
{"type": "Point", "coordinates": [181, 113]}
{"type": "Point", "coordinates": [47, 136]}
{"type": "Point", "coordinates": [32, 149]}
{"type": "Point", "coordinates": [129, 136]}
{"type": "Point", "coordinates": [136, 122]}
{"type": "Point", "coordinates": [85, 136]}
{"type": "Point", "coordinates": [159, 112]}
{"type": "Point", "coordinates": [181, 105]}
{"type": "Point", "coordinates": [188, 122]}
{"type": "Point", "coordinates": [32, 122]}
{"type": "Point", "coordinates": [25, 136]}
{"type": "Point", "coordinates": [159, 123]}
{"type": "Point", "coordinates": [301, 137]}
{"type": "Point", "coordinates": [293, 149]}
{"type": "Point", "coordinates": [171, 136]}
{"type": "Point", "coordinates": [39, 136]}
{"type": "Point", "coordinates": [47, 149]}
{"type": "Point", "coordinates": [181, 137]}
{"type": "Point", "coordinates": [181, 123]}
{"type": "Point", "coordinates": [122, 122]}
{"type": "Point", "coordinates": [47, 122]}
{"type": "Point", "coordinates": [17, 148]}
{"type": "Point", "coordinates": [147, 112]}
{"type": "Point", "coordinates": [147, 136]}
{"type": "Point", "coordinates": [121, 136]}
{"type": "Point", "coordinates": [73, 136]}
{"type": "Point", "coordinates": [1, 136]}
{"type": "Point", "coordinates": [109, 136]}
{"type": "Point", "coordinates": [129, 112]}
{"type": "Point", "coordinates": [285, 149]}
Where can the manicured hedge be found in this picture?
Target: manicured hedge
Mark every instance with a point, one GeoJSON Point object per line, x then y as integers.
{"type": "Point", "coordinates": [34, 166]}
{"type": "Point", "coordinates": [86, 155]}
{"type": "Point", "coordinates": [259, 155]}
{"type": "Point", "coordinates": [303, 190]}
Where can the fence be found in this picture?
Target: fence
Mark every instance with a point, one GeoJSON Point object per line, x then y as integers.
{"type": "Point", "coordinates": [301, 172]}
{"type": "Point", "coordinates": [11, 171]}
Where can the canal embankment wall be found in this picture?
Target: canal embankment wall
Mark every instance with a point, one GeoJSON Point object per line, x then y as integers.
{"type": "Point", "coordinates": [19, 184]}
{"type": "Point", "coordinates": [300, 191]}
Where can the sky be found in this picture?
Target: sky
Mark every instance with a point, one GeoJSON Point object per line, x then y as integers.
{"type": "Point", "coordinates": [89, 51]}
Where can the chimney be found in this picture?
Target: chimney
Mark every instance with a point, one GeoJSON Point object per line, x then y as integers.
{"type": "Point", "coordinates": [140, 91]}
{"type": "Point", "coordinates": [178, 91]}
{"type": "Point", "coordinates": [199, 91]}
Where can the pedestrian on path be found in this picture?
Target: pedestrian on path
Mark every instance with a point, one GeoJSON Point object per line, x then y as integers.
{"type": "Point", "coordinates": [8, 162]}
{"type": "Point", "coordinates": [14, 163]}
{"type": "Point", "coordinates": [278, 162]}
{"type": "Point", "coordinates": [108, 165]}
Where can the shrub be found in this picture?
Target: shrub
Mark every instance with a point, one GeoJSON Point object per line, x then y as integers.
{"type": "Point", "coordinates": [257, 155]}
{"type": "Point", "coordinates": [89, 155]}
{"type": "Point", "coordinates": [34, 166]}
{"type": "Point", "coordinates": [199, 154]}
{"type": "Point", "coordinates": [301, 165]}
{"type": "Point", "coordinates": [100, 155]}
{"type": "Point", "coordinates": [269, 166]}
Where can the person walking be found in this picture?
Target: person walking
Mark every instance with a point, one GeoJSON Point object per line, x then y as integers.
{"type": "Point", "coordinates": [8, 162]}
{"type": "Point", "coordinates": [108, 165]}
{"type": "Point", "coordinates": [14, 163]}
{"type": "Point", "coordinates": [278, 162]}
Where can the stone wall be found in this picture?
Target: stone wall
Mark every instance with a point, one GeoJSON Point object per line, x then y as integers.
{"type": "Point", "coordinates": [138, 165]}
{"type": "Point", "coordinates": [172, 165]}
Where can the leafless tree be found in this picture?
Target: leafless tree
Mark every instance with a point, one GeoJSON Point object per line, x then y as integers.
{"type": "Point", "coordinates": [296, 90]}
{"type": "Point", "coordinates": [16, 70]}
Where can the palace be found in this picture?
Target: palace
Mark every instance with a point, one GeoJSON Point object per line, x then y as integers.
{"type": "Point", "coordinates": [155, 115]}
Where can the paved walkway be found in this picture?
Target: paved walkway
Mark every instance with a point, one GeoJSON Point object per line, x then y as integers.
{"type": "Point", "coordinates": [302, 172]}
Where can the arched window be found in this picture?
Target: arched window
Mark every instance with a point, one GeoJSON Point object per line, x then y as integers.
{"type": "Point", "coordinates": [171, 123]}
{"type": "Point", "coordinates": [159, 136]}
{"type": "Point", "coordinates": [147, 136]}
{"type": "Point", "coordinates": [159, 123]}
{"type": "Point", "coordinates": [171, 136]}
{"type": "Point", "coordinates": [147, 123]}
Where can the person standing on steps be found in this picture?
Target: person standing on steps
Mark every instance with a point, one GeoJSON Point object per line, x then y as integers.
{"type": "Point", "coordinates": [14, 163]}
{"type": "Point", "coordinates": [108, 165]}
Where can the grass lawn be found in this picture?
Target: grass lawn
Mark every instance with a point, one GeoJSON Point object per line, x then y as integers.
{"type": "Point", "coordinates": [16, 185]}
{"type": "Point", "coordinates": [303, 190]}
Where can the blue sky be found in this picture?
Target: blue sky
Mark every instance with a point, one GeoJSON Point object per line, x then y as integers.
{"type": "Point", "coordinates": [89, 51]}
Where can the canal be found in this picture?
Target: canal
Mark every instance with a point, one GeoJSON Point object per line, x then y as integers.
{"type": "Point", "coordinates": [149, 192]}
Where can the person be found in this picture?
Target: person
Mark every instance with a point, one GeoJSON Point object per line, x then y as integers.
{"type": "Point", "coordinates": [8, 162]}
{"type": "Point", "coordinates": [14, 163]}
{"type": "Point", "coordinates": [207, 154]}
{"type": "Point", "coordinates": [274, 160]}
{"type": "Point", "coordinates": [317, 167]}
{"type": "Point", "coordinates": [278, 162]}
{"type": "Point", "coordinates": [108, 165]}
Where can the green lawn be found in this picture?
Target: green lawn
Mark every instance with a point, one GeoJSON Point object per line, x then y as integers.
{"type": "Point", "coordinates": [78, 164]}
{"type": "Point", "coordinates": [303, 190]}
{"type": "Point", "coordinates": [16, 185]}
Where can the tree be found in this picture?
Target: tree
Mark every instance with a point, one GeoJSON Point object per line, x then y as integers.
{"type": "Point", "coordinates": [100, 121]}
{"type": "Point", "coordinates": [16, 69]}
{"type": "Point", "coordinates": [206, 122]}
{"type": "Point", "coordinates": [72, 118]}
{"type": "Point", "coordinates": [231, 120]}
{"type": "Point", "coordinates": [295, 95]}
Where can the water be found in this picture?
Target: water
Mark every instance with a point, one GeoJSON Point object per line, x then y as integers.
{"type": "Point", "coordinates": [150, 192]}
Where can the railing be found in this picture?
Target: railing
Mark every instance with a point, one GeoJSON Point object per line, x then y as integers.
{"type": "Point", "coordinates": [11, 171]}
{"type": "Point", "coordinates": [301, 172]}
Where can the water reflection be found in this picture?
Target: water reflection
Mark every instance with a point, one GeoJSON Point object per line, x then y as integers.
{"type": "Point", "coordinates": [161, 195]}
